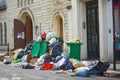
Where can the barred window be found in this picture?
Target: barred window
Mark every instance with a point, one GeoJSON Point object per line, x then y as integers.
{"type": "Point", "coordinates": [24, 2]}
{"type": "Point", "coordinates": [3, 33]}
{"type": "Point", "coordinates": [31, 1]}
{"type": "Point", "coordinates": [21, 2]}
{"type": "Point", "coordinates": [0, 33]}
{"type": "Point", "coordinates": [18, 3]}
{"type": "Point", "coordinates": [28, 2]}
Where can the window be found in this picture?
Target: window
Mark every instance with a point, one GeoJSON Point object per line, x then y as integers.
{"type": "Point", "coordinates": [3, 5]}
{"type": "Point", "coordinates": [3, 33]}
{"type": "Point", "coordinates": [28, 2]}
{"type": "Point", "coordinates": [0, 33]}
{"type": "Point", "coordinates": [21, 2]}
{"type": "Point", "coordinates": [31, 1]}
{"type": "Point", "coordinates": [115, 1]}
{"type": "Point", "coordinates": [24, 2]}
{"type": "Point", "coordinates": [18, 2]}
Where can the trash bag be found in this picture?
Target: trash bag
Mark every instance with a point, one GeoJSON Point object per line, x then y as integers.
{"type": "Point", "coordinates": [82, 73]}
{"type": "Point", "coordinates": [59, 39]}
{"type": "Point", "coordinates": [56, 50]}
{"type": "Point", "coordinates": [62, 63]}
{"type": "Point", "coordinates": [47, 66]}
{"type": "Point", "coordinates": [20, 55]}
{"type": "Point", "coordinates": [28, 66]}
{"type": "Point", "coordinates": [99, 69]}
{"type": "Point", "coordinates": [28, 47]}
{"type": "Point", "coordinates": [47, 58]}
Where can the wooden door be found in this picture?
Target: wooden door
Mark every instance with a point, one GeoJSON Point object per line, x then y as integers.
{"type": "Point", "coordinates": [28, 30]}
{"type": "Point", "coordinates": [19, 34]}
{"type": "Point", "coordinates": [61, 28]}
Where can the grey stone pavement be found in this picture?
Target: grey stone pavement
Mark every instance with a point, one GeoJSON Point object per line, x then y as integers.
{"type": "Point", "coordinates": [8, 72]}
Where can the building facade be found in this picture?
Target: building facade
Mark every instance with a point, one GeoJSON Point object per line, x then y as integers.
{"type": "Point", "coordinates": [94, 22]}
{"type": "Point", "coordinates": [90, 20]}
{"type": "Point", "coordinates": [35, 16]}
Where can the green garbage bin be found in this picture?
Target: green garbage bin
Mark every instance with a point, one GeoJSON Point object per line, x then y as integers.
{"type": "Point", "coordinates": [35, 49]}
{"type": "Point", "coordinates": [39, 48]}
{"type": "Point", "coordinates": [74, 50]}
{"type": "Point", "coordinates": [43, 48]}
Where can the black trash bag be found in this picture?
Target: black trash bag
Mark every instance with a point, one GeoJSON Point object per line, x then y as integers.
{"type": "Point", "coordinates": [68, 66]}
{"type": "Point", "coordinates": [56, 50]}
{"type": "Point", "coordinates": [20, 55]}
{"type": "Point", "coordinates": [47, 58]}
{"type": "Point", "coordinates": [99, 69]}
{"type": "Point", "coordinates": [28, 66]}
{"type": "Point", "coordinates": [59, 39]}
{"type": "Point", "coordinates": [28, 47]}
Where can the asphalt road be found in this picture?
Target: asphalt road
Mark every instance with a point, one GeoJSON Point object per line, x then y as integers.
{"type": "Point", "coordinates": [8, 72]}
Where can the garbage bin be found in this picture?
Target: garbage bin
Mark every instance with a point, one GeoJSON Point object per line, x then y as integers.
{"type": "Point", "coordinates": [35, 49]}
{"type": "Point", "coordinates": [74, 50]}
{"type": "Point", "coordinates": [43, 48]}
{"type": "Point", "coordinates": [39, 48]}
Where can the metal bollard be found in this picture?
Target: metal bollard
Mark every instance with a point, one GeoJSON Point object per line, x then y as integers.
{"type": "Point", "coordinates": [7, 48]}
{"type": "Point", "coordinates": [114, 56]}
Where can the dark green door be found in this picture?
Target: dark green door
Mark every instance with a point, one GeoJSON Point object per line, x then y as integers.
{"type": "Point", "coordinates": [92, 29]}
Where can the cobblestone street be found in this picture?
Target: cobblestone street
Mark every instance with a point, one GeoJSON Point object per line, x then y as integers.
{"type": "Point", "coordinates": [59, 39]}
{"type": "Point", "coordinates": [8, 72]}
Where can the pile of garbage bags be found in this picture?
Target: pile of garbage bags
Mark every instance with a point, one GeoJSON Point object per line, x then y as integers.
{"type": "Point", "coordinates": [47, 53]}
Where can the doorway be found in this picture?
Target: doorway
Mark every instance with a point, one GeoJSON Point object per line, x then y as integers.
{"type": "Point", "coordinates": [116, 21]}
{"type": "Point", "coordinates": [23, 31]}
{"type": "Point", "coordinates": [58, 26]}
{"type": "Point", "coordinates": [19, 31]}
{"type": "Point", "coordinates": [28, 30]}
{"type": "Point", "coordinates": [92, 30]}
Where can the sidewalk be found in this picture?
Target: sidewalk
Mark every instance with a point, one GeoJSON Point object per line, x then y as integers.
{"type": "Point", "coordinates": [117, 68]}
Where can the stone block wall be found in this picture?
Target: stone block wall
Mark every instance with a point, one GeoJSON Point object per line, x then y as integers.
{"type": "Point", "coordinates": [43, 13]}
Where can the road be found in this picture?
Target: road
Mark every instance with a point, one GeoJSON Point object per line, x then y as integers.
{"type": "Point", "coordinates": [8, 72]}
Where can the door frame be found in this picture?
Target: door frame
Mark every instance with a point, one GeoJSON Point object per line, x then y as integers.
{"type": "Point", "coordinates": [97, 53]}
{"type": "Point", "coordinates": [58, 23]}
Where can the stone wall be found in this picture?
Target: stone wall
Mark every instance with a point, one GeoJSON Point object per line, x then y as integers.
{"type": "Point", "coordinates": [43, 12]}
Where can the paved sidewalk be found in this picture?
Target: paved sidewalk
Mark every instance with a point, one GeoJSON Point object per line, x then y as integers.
{"type": "Point", "coordinates": [117, 68]}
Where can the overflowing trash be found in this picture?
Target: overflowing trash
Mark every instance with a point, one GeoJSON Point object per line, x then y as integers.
{"type": "Point", "coordinates": [47, 53]}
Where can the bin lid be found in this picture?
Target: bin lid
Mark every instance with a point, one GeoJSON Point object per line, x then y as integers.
{"type": "Point", "coordinates": [75, 43]}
